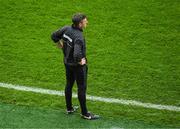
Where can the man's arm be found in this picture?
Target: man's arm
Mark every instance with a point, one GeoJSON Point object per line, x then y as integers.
{"type": "Point", "coordinates": [57, 35]}
{"type": "Point", "coordinates": [78, 56]}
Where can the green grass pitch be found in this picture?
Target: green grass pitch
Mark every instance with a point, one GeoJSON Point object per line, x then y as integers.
{"type": "Point", "coordinates": [132, 50]}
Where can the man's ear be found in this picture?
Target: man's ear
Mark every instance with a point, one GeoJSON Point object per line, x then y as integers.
{"type": "Point", "coordinates": [80, 24]}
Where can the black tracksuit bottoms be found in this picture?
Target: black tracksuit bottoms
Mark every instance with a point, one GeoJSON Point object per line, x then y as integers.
{"type": "Point", "coordinates": [78, 74]}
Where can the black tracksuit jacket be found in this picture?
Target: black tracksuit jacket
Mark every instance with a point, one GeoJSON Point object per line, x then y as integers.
{"type": "Point", "coordinates": [74, 44]}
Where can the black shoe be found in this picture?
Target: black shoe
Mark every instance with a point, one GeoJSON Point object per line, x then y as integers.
{"type": "Point", "coordinates": [90, 116]}
{"type": "Point", "coordinates": [74, 109]}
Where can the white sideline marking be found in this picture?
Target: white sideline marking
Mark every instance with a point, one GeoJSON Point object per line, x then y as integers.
{"type": "Point", "coordinates": [93, 98]}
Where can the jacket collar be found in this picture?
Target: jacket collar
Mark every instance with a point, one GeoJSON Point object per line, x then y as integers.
{"type": "Point", "coordinates": [75, 27]}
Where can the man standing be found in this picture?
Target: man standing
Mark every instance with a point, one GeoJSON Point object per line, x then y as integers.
{"type": "Point", "coordinates": [72, 42]}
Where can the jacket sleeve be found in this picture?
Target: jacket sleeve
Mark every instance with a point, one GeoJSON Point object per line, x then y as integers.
{"type": "Point", "coordinates": [57, 35]}
{"type": "Point", "coordinates": [78, 50]}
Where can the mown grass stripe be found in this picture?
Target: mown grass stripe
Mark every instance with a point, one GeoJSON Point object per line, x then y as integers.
{"type": "Point", "coordinates": [93, 98]}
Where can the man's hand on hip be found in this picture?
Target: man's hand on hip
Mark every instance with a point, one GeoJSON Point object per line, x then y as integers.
{"type": "Point", "coordinates": [59, 44]}
{"type": "Point", "coordinates": [83, 61]}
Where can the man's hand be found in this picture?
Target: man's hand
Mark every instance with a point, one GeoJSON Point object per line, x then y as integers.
{"type": "Point", "coordinates": [83, 61]}
{"type": "Point", "coordinates": [59, 44]}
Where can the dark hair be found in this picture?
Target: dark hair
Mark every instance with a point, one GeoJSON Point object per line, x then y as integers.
{"type": "Point", "coordinates": [77, 18]}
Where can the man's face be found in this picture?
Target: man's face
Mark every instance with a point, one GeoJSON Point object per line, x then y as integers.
{"type": "Point", "coordinates": [83, 23]}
